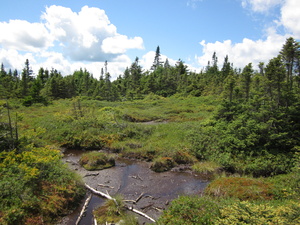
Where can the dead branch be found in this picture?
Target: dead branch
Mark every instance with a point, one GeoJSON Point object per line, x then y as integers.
{"type": "Point", "coordinates": [135, 201]}
{"type": "Point", "coordinates": [141, 213]}
{"type": "Point", "coordinates": [83, 209]}
{"type": "Point", "coordinates": [147, 206]}
{"type": "Point", "coordinates": [91, 174]}
{"type": "Point", "coordinates": [105, 186]}
{"type": "Point", "coordinates": [137, 177]}
{"type": "Point", "coordinates": [141, 195]}
{"type": "Point", "coordinates": [157, 209]}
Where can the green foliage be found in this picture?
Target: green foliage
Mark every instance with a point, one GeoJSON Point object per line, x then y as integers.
{"type": "Point", "coordinates": [259, 213]}
{"type": "Point", "coordinates": [96, 160]}
{"type": "Point", "coordinates": [190, 210]}
{"type": "Point", "coordinates": [36, 184]}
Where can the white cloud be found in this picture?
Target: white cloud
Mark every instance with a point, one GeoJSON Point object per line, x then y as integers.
{"type": "Point", "coordinates": [120, 43]}
{"type": "Point", "coordinates": [66, 41]}
{"type": "Point", "coordinates": [87, 35]}
{"type": "Point", "coordinates": [240, 54]}
{"type": "Point", "coordinates": [11, 59]}
{"type": "Point", "coordinates": [261, 5]}
{"type": "Point", "coordinates": [147, 60]}
{"type": "Point", "coordinates": [24, 36]}
{"type": "Point", "coordinates": [290, 17]}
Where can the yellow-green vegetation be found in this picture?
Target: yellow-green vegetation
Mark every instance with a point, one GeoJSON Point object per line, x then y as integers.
{"type": "Point", "coordinates": [114, 211]}
{"type": "Point", "coordinates": [206, 167]}
{"type": "Point", "coordinates": [36, 186]}
{"type": "Point", "coordinates": [96, 160]}
{"type": "Point", "coordinates": [245, 212]}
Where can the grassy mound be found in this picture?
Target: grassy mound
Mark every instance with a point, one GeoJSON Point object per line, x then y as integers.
{"type": "Point", "coordinates": [96, 161]}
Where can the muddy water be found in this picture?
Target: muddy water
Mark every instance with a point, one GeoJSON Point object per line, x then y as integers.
{"type": "Point", "coordinates": [131, 179]}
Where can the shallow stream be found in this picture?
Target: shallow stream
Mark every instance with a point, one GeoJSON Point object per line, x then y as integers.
{"type": "Point", "coordinates": [131, 179]}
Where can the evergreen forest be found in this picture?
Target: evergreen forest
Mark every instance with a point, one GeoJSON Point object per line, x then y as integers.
{"type": "Point", "coordinates": [241, 126]}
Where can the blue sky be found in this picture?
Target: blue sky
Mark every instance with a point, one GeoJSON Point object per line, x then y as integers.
{"type": "Point", "coordinates": [67, 35]}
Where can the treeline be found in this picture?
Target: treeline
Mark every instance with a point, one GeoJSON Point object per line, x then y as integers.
{"type": "Point", "coordinates": [163, 79]}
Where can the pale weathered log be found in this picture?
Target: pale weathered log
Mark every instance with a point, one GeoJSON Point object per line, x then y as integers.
{"type": "Point", "coordinates": [83, 209]}
{"type": "Point", "coordinates": [98, 192]}
{"type": "Point", "coordinates": [141, 213]}
{"type": "Point", "coordinates": [110, 198]}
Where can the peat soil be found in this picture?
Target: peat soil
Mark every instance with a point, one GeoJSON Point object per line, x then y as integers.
{"type": "Point", "coordinates": [134, 180]}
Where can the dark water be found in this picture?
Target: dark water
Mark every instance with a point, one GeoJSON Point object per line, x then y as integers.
{"type": "Point", "coordinates": [132, 178]}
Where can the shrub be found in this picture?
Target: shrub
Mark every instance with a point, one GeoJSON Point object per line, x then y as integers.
{"type": "Point", "coordinates": [190, 210]}
{"type": "Point", "coordinates": [241, 187]}
{"type": "Point", "coordinates": [36, 186]}
{"type": "Point", "coordinates": [96, 161]}
{"type": "Point", "coordinates": [162, 164]}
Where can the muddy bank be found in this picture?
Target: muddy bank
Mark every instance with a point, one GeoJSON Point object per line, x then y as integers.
{"type": "Point", "coordinates": [130, 179]}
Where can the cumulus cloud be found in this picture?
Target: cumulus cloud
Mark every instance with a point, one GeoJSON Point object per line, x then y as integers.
{"type": "Point", "coordinates": [240, 54]}
{"type": "Point", "coordinates": [120, 43]}
{"type": "Point", "coordinates": [12, 59]}
{"type": "Point", "coordinates": [87, 35]}
{"type": "Point", "coordinates": [67, 41]}
{"type": "Point", "coordinates": [24, 36]}
{"type": "Point", "coordinates": [147, 60]}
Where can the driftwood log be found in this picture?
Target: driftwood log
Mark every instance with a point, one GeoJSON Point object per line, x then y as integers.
{"type": "Point", "coordinates": [111, 198]}
{"type": "Point", "coordinates": [83, 209]}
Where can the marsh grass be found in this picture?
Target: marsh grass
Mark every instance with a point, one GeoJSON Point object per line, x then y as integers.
{"type": "Point", "coordinates": [206, 167]}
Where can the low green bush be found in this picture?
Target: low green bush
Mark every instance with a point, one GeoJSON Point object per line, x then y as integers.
{"type": "Point", "coordinates": [190, 210]}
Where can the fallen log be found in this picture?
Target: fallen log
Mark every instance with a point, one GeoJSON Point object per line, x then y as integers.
{"type": "Point", "coordinates": [111, 198]}
{"type": "Point", "coordinates": [83, 209]}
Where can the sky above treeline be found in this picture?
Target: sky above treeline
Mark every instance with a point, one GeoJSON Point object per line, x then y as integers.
{"type": "Point", "coordinates": [69, 35]}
